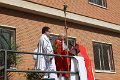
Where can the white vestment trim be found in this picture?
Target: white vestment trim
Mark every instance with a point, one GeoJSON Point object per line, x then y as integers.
{"type": "Point", "coordinates": [78, 64]}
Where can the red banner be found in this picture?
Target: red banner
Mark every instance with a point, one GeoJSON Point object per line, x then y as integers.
{"type": "Point", "coordinates": [88, 65]}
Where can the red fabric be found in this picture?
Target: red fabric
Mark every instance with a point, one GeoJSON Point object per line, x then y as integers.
{"type": "Point", "coordinates": [87, 62]}
{"type": "Point", "coordinates": [58, 47]}
{"type": "Point", "coordinates": [66, 63]}
{"type": "Point", "coordinates": [62, 63]}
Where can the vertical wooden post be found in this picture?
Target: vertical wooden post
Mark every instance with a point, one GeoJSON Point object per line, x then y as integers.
{"type": "Point", "coordinates": [66, 28]}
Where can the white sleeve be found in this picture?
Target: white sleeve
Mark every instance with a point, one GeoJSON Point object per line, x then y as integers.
{"type": "Point", "coordinates": [35, 56]}
{"type": "Point", "coordinates": [39, 49]}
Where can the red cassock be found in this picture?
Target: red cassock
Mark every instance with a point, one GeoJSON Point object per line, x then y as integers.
{"type": "Point", "coordinates": [62, 63]}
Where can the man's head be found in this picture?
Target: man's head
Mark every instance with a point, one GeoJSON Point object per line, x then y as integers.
{"type": "Point", "coordinates": [46, 31]}
{"type": "Point", "coordinates": [61, 37]}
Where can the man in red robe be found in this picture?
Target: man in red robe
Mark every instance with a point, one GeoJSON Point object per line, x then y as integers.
{"type": "Point", "coordinates": [62, 63]}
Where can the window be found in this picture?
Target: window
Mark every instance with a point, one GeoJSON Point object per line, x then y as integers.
{"type": "Point", "coordinates": [99, 2]}
{"type": "Point", "coordinates": [7, 37]}
{"type": "Point", "coordinates": [71, 41]}
{"type": "Point", "coordinates": [103, 56]}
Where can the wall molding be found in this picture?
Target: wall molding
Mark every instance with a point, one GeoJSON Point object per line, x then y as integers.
{"type": "Point", "coordinates": [7, 26]}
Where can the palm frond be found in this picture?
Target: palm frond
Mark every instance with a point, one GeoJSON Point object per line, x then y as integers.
{"type": "Point", "coordinates": [5, 41]}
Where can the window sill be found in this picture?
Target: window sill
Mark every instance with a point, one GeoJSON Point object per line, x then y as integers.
{"type": "Point", "coordinates": [104, 71]}
{"type": "Point", "coordinates": [97, 5]}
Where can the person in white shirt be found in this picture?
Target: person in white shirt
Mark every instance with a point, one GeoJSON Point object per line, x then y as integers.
{"type": "Point", "coordinates": [46, 63]}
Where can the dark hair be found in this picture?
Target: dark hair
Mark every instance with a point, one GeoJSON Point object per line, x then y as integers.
{"type": "Point", "coordinates": [44, 29]}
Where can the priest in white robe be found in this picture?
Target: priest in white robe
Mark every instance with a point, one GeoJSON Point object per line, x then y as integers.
{"type": "Point", "coordinates": [46, 63]}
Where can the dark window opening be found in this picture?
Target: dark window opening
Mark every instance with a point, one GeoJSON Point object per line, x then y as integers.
{"type": "Point", "coordinates": [103, 56]}
{"type": "Point", "coordinates": [7, 39]}
{"type": "Point", "coordinates": [99, 2]}
{"type": "Point", "coordinates": [71, 41]}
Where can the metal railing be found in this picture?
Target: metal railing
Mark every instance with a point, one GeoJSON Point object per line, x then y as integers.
{"type": "Point", "coordinates": [6, 52]}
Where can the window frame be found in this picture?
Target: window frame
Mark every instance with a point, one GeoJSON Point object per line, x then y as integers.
{"type": "Point", "coordinates": [104, 4]}
{"type": "Point", "coordinates": [112, 65]}
{"type": "Point", "coordinates": [12, 34]}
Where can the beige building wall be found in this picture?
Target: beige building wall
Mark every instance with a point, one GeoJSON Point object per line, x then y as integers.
{"type": "Point", "coordinates": [111, 13]}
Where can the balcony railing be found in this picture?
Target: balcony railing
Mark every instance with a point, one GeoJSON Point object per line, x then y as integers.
{"type": "Point", "coordinates": [6, 52]}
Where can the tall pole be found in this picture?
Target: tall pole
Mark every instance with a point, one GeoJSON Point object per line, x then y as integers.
{"type": "Point", "coordinates": [66, 28]}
